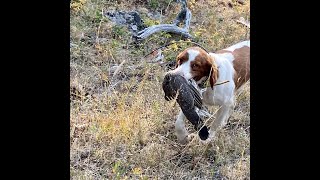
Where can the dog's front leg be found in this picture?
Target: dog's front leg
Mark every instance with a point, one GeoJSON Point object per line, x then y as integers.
{"type": "Point", "coordinates": [180, 128]}
{"type": "Point", "coordinates": [221, 120]}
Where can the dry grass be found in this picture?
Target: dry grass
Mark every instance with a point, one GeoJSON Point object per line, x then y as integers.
{"type": "Point", "coordinates": [121, 126]}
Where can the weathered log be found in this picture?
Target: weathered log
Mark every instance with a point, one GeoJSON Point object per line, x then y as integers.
{"type": "Point", "coordinates": [183, 16]}
{"type": "Point", "coordinates": [163, 27]}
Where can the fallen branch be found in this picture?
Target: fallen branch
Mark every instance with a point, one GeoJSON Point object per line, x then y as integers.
{"type": "Point", "coordinates": [183, 16]}
{"type": "Point", "coordinates": [163, 27]}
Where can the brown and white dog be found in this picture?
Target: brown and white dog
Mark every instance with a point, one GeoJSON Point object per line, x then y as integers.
{"type": "Point", "coordinates": [230, 64]}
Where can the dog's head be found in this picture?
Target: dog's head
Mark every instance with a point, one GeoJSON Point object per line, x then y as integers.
{"type": "Point", "coordinates": [195, 63]}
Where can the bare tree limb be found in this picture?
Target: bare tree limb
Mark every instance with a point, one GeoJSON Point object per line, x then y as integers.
{"type": "Point", "coordinates": [183, 16]}
{"type": "Point", "coordinates": [188, 19]}
{"type": "Point", "coordinates": [163, 27]}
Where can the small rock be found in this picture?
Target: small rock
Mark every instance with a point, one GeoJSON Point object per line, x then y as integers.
{"type": "Point", "coordinates": [120, 20]}
{"type": "Point", "coordinates": [103, 40]}
{"type": "Point", "coordinates": [131, 19]}
{"type": "Point", "coordinates": [225, 3]}
{"type": "Point", "coordinates": [154, 15]}
{"type": "Point", "coordinates": [128, 17]}
{"type": "Point", "coordinates": [134, 27]}
{"type": "Point", "coordinates": [150, 15]}
{"type": "Point", "coordinates": [240, 2]}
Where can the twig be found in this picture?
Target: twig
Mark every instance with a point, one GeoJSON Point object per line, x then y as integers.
{"type": "Point", "coordinates": [216, 84]}
{"type": "Point", "coordinates": [98, 31]}
{"type": "Point", "coordinates": [110, 53]}
{"type": "Point", "coordinates": [241, 20]}
{"type": "Point", "coordinates": [168, 6]}
{"type": "Point", "coordinates": [118, 68]}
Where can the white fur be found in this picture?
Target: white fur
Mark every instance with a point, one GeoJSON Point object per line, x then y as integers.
{"type": "Point", "coordinates": [180, 128]}
{"type": "Point", "coordinates": [227, 56]}
{"type": "Point", "coordinates": [221, 94]}
{"type": "Point", "coordinates": [238, 45]}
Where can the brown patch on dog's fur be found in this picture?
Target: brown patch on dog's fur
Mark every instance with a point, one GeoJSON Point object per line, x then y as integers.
{"type": "Point", "coordinates": [182, 57]}
{"type": "Point", "coordinates": [241, 64]}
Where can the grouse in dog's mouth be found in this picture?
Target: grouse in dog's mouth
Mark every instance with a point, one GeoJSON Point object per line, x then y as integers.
{"type": "Point", "coordinates": [188, 99]}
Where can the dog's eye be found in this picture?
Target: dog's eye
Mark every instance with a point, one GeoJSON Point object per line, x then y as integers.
{"type": "Point", "coordinates": [194, 65]}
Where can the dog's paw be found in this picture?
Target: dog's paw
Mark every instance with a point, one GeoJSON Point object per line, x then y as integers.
{"type": "Point", "coordinates": [206, 142]}
{"type": "Point", "coordinates": [203, 133]}
{"type": "Point", "coordinates": [209, 139]}
{"type": "Point", "coordinates": [183, 141]}
{"type": "Point", "coordinates": [187, 139]}
{"type": "Point", "coordinates": [191, 136]}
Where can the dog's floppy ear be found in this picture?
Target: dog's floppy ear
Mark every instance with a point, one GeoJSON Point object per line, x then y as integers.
{"type": "Point", "coordinates": [177, 64]}
{"type": "Point", "coordinates": [181, 58]}
{"type": "Point", "coordinates": [213, 76]}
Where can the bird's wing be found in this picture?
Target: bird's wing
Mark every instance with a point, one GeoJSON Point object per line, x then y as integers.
{"type": "Point", "coordinates": [196, 95]}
